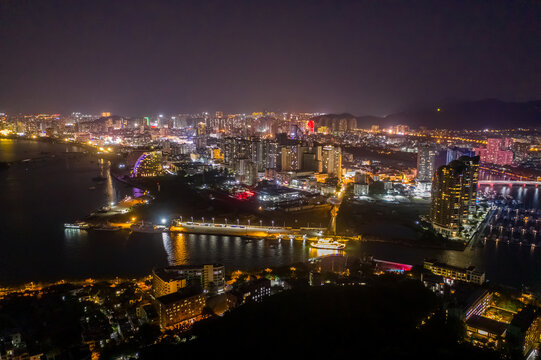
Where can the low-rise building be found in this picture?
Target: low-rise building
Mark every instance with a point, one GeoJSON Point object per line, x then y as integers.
{"type": "Point", "coordinates": [211, 277]}
{"type": "Point", "coordinates": [526, 328]}
{"type": "Point", "coordinates": [454, 272]}
{"type": "Point", "coordinates": [466, 300]}
{"type": "Point", "coordinates": [254, 291]}
{"type": "Point", "coordinates": [434, 283]}
{"type": "Point", "coordinates": [477, 303]}
{"type": "Point", "coordinates": [176, 308]}
{"type": "Point", "coordinates": [485, 332]}
{"type": "Point", "coordinates": [166, 282]}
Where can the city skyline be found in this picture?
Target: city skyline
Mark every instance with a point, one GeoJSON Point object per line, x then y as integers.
{"type": "Point", "coordinates": [194, 179]}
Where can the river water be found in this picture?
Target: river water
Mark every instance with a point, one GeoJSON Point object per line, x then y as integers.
{"type": "Point", "coordinates": [39, 196]}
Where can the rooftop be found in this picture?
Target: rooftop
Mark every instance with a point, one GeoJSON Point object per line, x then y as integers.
{"type": "Point", "coordinates": [178, 296]}
{"type": "Point", "coordinates": [486, 324]}
{"type": "Point", "coordinates": [524, 318]}
{"type": "Point", "coordinates": [452, 267]}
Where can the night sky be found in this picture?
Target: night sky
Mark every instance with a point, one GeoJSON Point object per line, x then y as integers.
{"type": "Point", "coordinates": [364, 57]}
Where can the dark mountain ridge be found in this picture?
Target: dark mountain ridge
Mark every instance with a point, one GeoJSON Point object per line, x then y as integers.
{"type": "Point", "coordinates": [480, 114]}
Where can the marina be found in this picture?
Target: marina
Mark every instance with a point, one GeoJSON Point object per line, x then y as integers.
{"type": "Point", "coordinates": [71, 253]}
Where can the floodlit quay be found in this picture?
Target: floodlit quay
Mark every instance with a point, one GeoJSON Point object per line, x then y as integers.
{"type": "Point", "coordinates": [509, 182]}
{"type": "Point", "coordinates": [243, 230]}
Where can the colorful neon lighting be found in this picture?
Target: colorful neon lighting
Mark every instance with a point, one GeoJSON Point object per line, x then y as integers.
{"type": "Point", "coordinates": [138, 163]}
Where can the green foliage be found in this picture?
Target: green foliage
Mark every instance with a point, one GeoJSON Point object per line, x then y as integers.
{"type": "Point", "coordinates": [52, 321]}
{"type": "Point", "coordinates": [378, 321]}
{"type": "Point", "coordinates": [507, 301]}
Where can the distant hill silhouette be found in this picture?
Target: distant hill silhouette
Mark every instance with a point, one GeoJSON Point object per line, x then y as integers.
{"type": "Point", "coordinates": [335, 122]}
{"type": "Point", "coordinates": [481, 114]}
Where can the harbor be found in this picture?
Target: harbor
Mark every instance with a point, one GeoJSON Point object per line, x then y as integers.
{"type": "Point", "coordinates": [62, 253]}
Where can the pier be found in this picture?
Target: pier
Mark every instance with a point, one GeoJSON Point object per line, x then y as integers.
{"type": "Point", "coordinates": [243, 230]}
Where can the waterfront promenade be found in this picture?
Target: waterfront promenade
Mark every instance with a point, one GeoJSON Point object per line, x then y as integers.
{"type": "Point", "coordinates": [243, 230]}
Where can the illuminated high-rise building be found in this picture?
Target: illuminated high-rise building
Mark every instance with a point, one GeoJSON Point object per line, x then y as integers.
{"type": "Point", "coordinates": [235, 148]}
{"type": "Point", "coordinates": [148, 164]}
{"type": "Point", "coordinates": [290, 158]}
{"type": "Point", "coordinates": [454, 192]}
{"type": "Point", "coordinates": [332, 160]}
{"type": "Point", "coordinates": [426, 156]}
{"type": "Point", "coordinates": [264, 154]}
{"type": "Point", "coordinates": [201, 129]}
{"type": "Point", "coordinates": [497, 151]}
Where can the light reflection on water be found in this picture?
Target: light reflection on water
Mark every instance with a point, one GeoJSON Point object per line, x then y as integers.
{"type": "Point", "coordinates": [41, 249]}
{"type": "Point", "coordinates": [175, 248]}
{"type": "Point", "coordinates": [234, 251]}
{"type": "Point", "coordinates": [314, 253]}
{"type": "Point", "coordinates": [528, 196]}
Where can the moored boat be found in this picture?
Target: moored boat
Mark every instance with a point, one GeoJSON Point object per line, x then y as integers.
{"type": "Point", "coordinates": [144, 227]}
{"type": "Point", "coordinates": [328, 244]}
{"type": "Point", "coordinates": [80, 225]}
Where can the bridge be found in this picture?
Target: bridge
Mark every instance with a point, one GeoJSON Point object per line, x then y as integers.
{"type": "Point", "coordinates": [509, 182]}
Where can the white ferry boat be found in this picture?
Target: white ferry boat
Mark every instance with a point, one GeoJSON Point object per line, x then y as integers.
{"type": "Point", "coordinates": [328, 244]}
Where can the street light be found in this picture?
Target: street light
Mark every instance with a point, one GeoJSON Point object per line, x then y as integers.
{"type": "Point", "coordinates": [164, 220]}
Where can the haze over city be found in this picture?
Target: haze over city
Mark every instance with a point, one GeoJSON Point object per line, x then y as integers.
{"type": "Point", "coordinates": [362, 57]}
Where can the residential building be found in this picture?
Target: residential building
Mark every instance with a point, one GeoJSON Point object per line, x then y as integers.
{"type": "Point", "coordinates": [485, 332]}
{"type": "Point", "coordinates": [526, 328]}
{"type": "Point", "coordinates": [498, 151]}
{"type": "Point", "coordinates": [176, 308]}
{"type": "Point", "coordinates": [166, 282]}
{"type": "Point", "coordinates": [426, 156]}
{"type": "Point", "coordinates": [254, 291]}
{"type": "Point", "coordinates": [211, 277]}
{"type": "Point", "coordinates": [332, 161]}
{"type": "Point", "coordinates": [454, 272]}
{"type": "Point", "coordinates": [454, 194]}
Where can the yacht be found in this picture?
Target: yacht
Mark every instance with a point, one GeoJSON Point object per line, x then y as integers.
{"type": "Point", "coordinates": [81, 225]}
{"type": "Point", "coordinates": [328, 244]}
{"type": "Point", "coordinates": [144, 227]}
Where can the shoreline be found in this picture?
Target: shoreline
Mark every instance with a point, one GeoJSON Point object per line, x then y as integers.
{"type": "Point", "coordinates": [49, 140]}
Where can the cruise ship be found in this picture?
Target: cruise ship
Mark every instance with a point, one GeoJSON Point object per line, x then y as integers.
{"type": "Point", "coordinates": [328, 244]}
